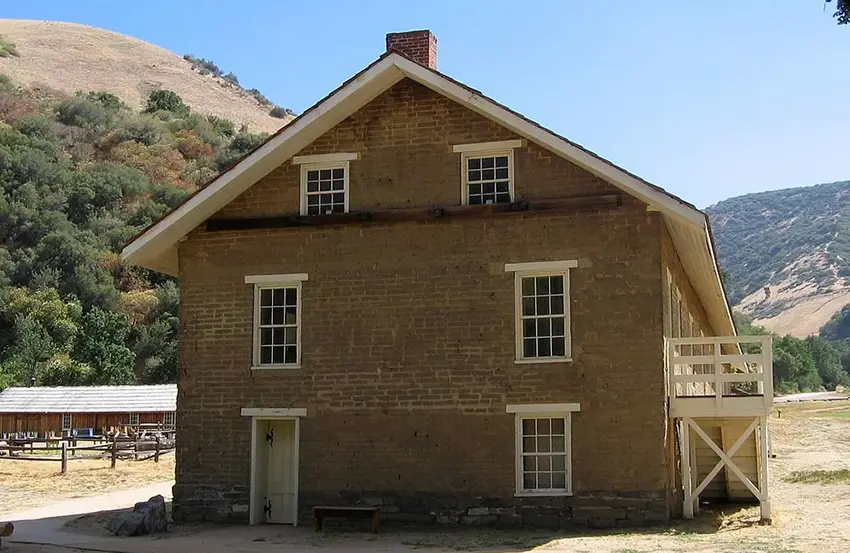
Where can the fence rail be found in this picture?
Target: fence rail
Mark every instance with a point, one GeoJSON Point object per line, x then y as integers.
{"type": "Point", "coordinates": [115, 448]}
{"type": "Point", "coordinates": [720, 366]}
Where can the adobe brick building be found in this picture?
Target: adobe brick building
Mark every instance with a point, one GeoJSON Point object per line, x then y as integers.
{"type": "Point", "coordinates": [413, 297]}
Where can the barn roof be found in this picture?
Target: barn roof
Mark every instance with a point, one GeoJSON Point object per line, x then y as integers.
{"type": "Point", "coordinates": [90, 399]}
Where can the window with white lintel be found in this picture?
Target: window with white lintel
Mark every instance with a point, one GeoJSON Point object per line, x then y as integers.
{"type": "Point", "coordinates": [277, 320]}
{"type": "Point", "coordinates": [543, 449]}
{"type": "Point", "coordinates": [325, 183]}
{"type": "Point", "coordinates": [487, 172]}
{"type": "Point", "coordinates": [67, 421]}
{"type": "Point", "coordinates": [542, 310]}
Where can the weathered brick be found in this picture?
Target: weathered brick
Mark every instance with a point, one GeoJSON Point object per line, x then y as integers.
{"type": "Point", "coordinates": [408, 331]}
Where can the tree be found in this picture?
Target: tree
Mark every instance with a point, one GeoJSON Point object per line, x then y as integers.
{"type": "Point", "coordinates": [101, 345]}
{"type": "Point", "coordinates": [166, 100]}
{"type": "Point", "coordinates": [842, 11]}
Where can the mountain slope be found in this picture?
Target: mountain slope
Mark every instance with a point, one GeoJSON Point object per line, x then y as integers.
{"type": "Point", "coordinates": [69, 57]}
{"type": "Point", "coordinates": [787, 255]}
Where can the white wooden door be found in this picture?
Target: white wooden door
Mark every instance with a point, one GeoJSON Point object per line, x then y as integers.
{"type": "Point", "coordinates": [280, 481]}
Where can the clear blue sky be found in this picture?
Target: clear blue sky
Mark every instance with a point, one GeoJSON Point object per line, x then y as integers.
{"type": "Point", "coordinates": [707, 99]}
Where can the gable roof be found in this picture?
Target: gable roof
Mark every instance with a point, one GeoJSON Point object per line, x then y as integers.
{"type": "Point", "coordinates": [158, 398]}
{"type": "Point", "coordinates": [156, 246]}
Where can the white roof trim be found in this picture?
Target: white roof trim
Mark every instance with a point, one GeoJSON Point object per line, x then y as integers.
{"type": "Point", "coordinates": [274, 412]}
{"type": "Point", "coordinates": [488, 146]}
{"type": "Point", "coordinates": [544, 408]}
{"type": "Point", "coordinates": [550, 141]}
{"type": "Point", "coordinates": [162, 237]}
{"type": "Point", "coordinates": [326, 158]}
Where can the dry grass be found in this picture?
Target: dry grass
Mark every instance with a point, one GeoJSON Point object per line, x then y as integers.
{"type": "Point", "coordinates": [840, 476]}
{"type": "Point", "coordinates": [30, 484]}
{"type": "Point", "coordinates": [70, 57]}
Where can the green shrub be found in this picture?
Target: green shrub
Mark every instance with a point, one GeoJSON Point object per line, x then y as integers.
{"type": "Point", "coordinates": [231, 78]}
{"type": "Point", "coordinates": [81, 112]}
{"type": "Point", "coordinates": [259, 97]}
{"type": "Point", "coordinates": [7, 48]}
{"type": "Point", "coordinates": [6, 84]}
{"type": "Point", "coordinates": [107, 100]}
{"type": "Point", "coordinates": [279, 112]}
{"type": "Point", "coordinates": [166, 100]}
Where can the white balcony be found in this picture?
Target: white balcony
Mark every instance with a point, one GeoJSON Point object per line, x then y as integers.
{"type": "Point", "coordinates": [720, 376]}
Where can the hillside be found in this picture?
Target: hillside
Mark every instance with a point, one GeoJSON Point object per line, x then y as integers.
{"type": "Point", "coordinates": [79, 176]}
{"type": "Point", "coordinates": [786, 254]}
{"type": "Point", "coordinates": [67, 57]}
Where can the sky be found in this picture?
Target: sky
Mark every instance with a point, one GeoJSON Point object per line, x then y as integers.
{"type": "Point", "coordinates": [707, 99]}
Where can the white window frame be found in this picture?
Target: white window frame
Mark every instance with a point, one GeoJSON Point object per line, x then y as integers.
{"type": "Point", "coordinates": [486, 149]}
{"type": "Point", "coordinates": [67, 421]}
{"type": "Point", "coordinates": [134, 419]}
{"type": "Point", "coordinates": [169, 419]}
{"type": "Point", "coordinates": [542, 411]}
{"type": "Point", "coordinates": [262, 282]}
{"type": "Point", "coordinates": [542, 268]}
{"type": "Point", "coordinates": [305, 167]}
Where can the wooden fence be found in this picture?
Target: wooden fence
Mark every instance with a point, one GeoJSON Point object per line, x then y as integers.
{"type": "Point", "coordinates": [69, 450]}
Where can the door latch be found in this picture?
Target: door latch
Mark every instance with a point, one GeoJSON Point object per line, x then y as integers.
{"type": "Point", "coordinates": [267, 509]}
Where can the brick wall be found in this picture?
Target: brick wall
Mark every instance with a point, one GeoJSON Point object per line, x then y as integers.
{"type": "Point", "coordinates": [408, 337]}
{"type": "Point", "coordinates": [420, 46]}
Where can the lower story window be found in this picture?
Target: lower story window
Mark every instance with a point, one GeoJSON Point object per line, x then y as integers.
{"type": "Point", "coordinates": [543, 451]}
{"type": "Point", "coordinates": [66, 421]}
{"type": "Point", "coordinates": [134, 419]}
{"type": "Point", "coordinates": [168, 418]}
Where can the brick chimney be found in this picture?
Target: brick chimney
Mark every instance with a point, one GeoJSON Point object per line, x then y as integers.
{"type": "Point", "coordinates": [420, 46]}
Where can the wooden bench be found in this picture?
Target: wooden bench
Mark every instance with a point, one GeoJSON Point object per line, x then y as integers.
{"type": "Point", "coordinates": [323, 512]}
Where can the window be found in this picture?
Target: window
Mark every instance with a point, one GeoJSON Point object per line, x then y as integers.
{"type": "Point", "coordinates": [488, 179]}
{"type": "Point", "coordinates": [168, 419]}
{"type": "Point", "coordinates": [542, 311]}
{"type": "Point", "coordinates": [543, 449]}
{"type": "Point", "coordinates": [487, 172]}
{"type": "Point", "coordinates": [134, 419]}
{"type": "Point", "coordinates": [277, 320]}
{"type": "Point", "coordinates": [66, 421]}
{"type": "Point", "coordinates": [325, 189]}
{"type": "Point", "coordinates": [324, 183]}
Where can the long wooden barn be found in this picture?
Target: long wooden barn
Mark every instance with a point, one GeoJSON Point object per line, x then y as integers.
{"type": "Point", "coordinates": [85, 410]}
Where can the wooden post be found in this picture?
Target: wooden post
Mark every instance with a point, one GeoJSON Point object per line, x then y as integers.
{"type": "Point", "coordinates": [114, 450]}
{"type": "Point", "coordinates": [764, 471]}
{"type": "Point", "coordinates": [64, 458]}
{"type": "Point", "coordinates": [156, 452]}
{"type": "Point", "coordinates": [685, 457]}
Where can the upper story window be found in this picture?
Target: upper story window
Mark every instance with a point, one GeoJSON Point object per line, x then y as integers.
{"type": "Point", "coordinates": [542, 293]}
{"type": "Point", "coordinates": [277, 320]}
{"type": "Point", "coordinates": [487, 172]}
{"type": "Point", "coordinates": [324, 183]}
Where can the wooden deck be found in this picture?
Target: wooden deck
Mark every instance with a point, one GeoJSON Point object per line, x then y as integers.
{"type": "Point", "coordinates": [721, 393]}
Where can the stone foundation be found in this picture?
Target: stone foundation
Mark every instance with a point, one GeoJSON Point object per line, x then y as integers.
{"type": "Point", "coordinates": [594, 510]}
{"type": "Point", "coordinates": [211, 503]}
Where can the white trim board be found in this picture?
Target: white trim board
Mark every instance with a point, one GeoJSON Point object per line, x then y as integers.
{"type": "Point", "coordinates": [541, 266]}
{"type": "Point", "coordinates": [543, 408]}
{"type": "Point", "coordinates": [326, 158]}
{"type": "Point", "coordinates": [276, 279]}
{"type": "Point", "coordinates": [274, 412]}
{"type": "Point", "coordinates": [488, 146]}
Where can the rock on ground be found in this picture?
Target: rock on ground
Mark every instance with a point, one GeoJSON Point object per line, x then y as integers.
{"type": "Point", "coordinates": [147, 517]}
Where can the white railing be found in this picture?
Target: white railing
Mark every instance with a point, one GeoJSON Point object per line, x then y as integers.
{"type": "Point", "coordinates": [720, 367]}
